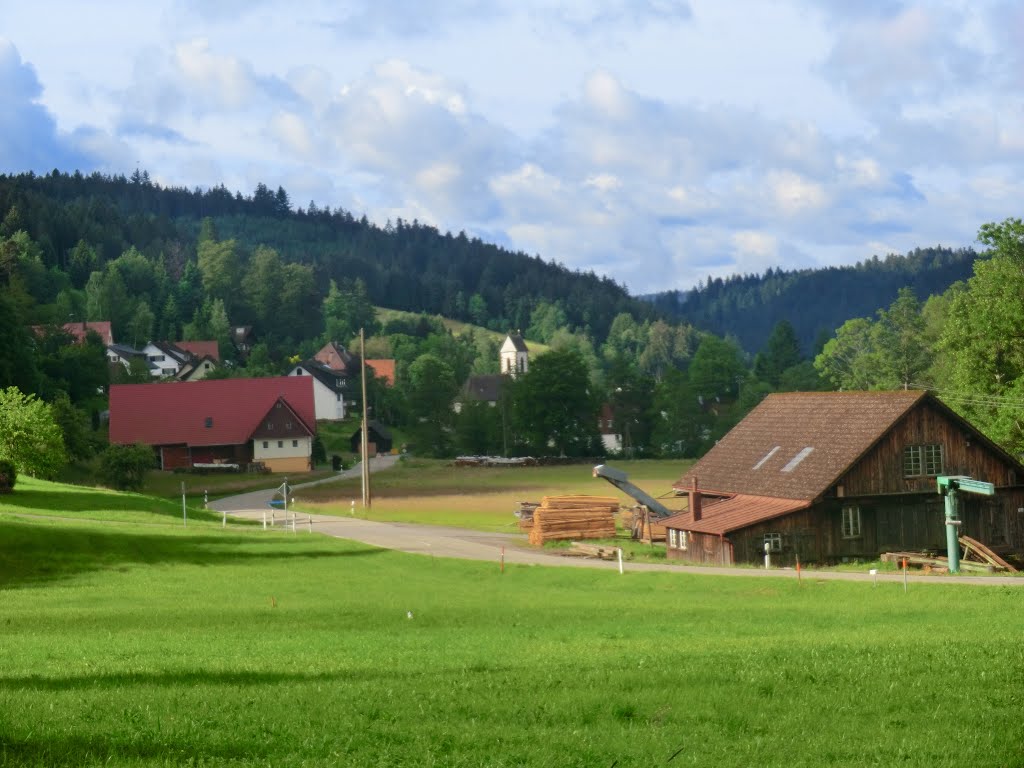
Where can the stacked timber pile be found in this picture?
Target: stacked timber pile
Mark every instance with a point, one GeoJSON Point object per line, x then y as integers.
{"type": "Point", "coordinates": [579, 549]}
{"type": "Point", "coordinates": [574, 517]}
{"type": "Point", "coordinates": [525, 512]}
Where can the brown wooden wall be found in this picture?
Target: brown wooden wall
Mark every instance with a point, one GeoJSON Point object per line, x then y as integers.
{"type": "Point", "coordinates": [183, 457]}
{"type": "Point", "coordinates": [881, 470]}
{"type": "Point", "coordinates": [280, 424]}
{"type": "Point", "coordinates": [703, 548]}
{"type": "Point", "coordinates": [907, 522]}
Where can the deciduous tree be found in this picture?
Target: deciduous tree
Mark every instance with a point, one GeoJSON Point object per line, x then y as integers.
{"type": "Point", "coordinates": [29, 436]}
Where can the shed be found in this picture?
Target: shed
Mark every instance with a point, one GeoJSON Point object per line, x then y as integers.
{"type": "Point", "coordinates": [378, 436]}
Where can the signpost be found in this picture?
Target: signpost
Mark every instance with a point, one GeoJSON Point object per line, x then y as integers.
{"type": "Point", "coordinates": [950, 486]}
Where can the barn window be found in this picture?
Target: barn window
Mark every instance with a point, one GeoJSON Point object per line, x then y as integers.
{"type": "Point", "coordinates": [684, 539]}
{"type": "Point", "coordinates": [280, 443]}
{"type": "Point", "coordinates": [295, 443]}
{"type": "Point", "coordinates": [672, 538]}
{"type": "Point", "coordinates": [851, 522]}
{"type": "Point", "coordinates": [773, 542]}
{"type": "Point", "coordinates": [266, 444]}
{"type": "Point", "coordinates": [922, 460]}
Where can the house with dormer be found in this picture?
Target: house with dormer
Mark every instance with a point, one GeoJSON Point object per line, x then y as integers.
{"type": "Point", "coordinates": [833, 476]}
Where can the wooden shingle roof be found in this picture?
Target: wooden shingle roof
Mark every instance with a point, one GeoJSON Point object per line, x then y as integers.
{"type": "Point", "coordinates": [731, 514]}
{"type": "Point", "coordinates": [795, 445]}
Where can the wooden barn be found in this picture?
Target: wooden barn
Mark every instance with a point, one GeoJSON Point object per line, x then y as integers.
{"type": "Point", "coordinates": [219, 423]}
{"type": "Point", "coordinates": [378, 438]}
{"type": "Point", "coordinates": [834, 476]}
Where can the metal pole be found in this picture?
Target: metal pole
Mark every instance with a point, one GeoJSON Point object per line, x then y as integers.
{"type": "Point", "coordinates": [366, 438]}
{"type": "Point", "coordinates": [952, 529]}
{"type": "Point", "coordinates": [184, 511]}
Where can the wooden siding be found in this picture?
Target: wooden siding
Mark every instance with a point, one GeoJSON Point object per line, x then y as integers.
{"type": "Point", "coordinates": [174, 457]}
{"type": "Point", "coordinates": [703, 548]}
{"type": "Point", "coordinates": [906, 522]}
{"type": "Point", "coordinates": [280, 424]}
{"type": "Point", "coordinates": [881, 470]}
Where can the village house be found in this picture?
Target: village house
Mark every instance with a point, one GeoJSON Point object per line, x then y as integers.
{"type": "Point", "coordinates": [217, 423]}
{"type": "Point", "coordinates": [182, 360]}
{"type": "Point", "coordinates": [834, 476]}
{"type": "Point", "coordinates": [336, 375]}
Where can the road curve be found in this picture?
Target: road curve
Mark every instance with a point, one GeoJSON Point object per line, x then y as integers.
{"type": "Point", "coordinates": [441, 541]}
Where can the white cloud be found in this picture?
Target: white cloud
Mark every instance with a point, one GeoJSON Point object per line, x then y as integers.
{"type": "Point", "coordinates": [657, 141]}
{"type": "Point", "coordinates": [225, 80]}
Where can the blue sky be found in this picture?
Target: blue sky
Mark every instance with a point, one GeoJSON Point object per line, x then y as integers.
{"type": "Point", "coordinates": [654, 141]}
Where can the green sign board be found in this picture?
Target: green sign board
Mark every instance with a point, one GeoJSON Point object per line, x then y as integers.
{"type": "Point", "coordinates": [966, 484]}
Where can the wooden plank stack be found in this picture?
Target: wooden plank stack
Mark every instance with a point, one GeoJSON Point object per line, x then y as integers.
{"type": "Point", "coordinates": [574, 517]}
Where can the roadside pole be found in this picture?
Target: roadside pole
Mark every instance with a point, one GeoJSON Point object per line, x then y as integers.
{"type": "Point", "coordinates": [184, 509]}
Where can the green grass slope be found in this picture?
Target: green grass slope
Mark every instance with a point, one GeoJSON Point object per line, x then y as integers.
{"type": "Point", "coordinates": [160, 646]}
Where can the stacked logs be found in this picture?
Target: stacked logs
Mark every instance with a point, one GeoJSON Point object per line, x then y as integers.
{"type": "Point", "coordinates": [574, 517]}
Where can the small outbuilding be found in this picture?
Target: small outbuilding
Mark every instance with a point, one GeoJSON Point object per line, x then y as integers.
{"type": "Point", "coordinates": [378, 436]}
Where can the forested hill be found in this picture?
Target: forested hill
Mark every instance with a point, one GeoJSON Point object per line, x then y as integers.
{"type": "Point", "coordinates": [405, 265]}
{"type": "Point", "coordinates": [815, 301]}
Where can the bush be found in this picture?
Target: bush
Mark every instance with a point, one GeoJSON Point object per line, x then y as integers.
{"type": "Point", "coordinates": [8, 476]}
{"type": "Point", "coordinates": [125, 466]}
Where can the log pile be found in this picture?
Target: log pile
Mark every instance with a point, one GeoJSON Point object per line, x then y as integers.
{"type": "Point", "coordinates": [975, 557]}
{"type": "Point", "coordinates": [574, 517]}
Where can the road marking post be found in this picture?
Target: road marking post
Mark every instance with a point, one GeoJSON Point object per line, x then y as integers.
{"type": "Point", "coordinates": [620, 560]}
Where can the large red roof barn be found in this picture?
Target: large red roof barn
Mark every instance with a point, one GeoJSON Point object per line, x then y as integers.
{"type": "Point", "coordinates": [225, 421]}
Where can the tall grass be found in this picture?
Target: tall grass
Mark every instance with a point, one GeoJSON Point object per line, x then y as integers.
{"type": "Point", "coordinates": [159, 646]}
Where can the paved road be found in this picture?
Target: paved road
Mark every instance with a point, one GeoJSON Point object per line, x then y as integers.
{"type": "Point", "coordinates": [440, 541]}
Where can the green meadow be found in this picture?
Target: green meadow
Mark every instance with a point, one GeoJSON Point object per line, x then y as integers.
{"type": "Point", "coordinates": [139, 642]}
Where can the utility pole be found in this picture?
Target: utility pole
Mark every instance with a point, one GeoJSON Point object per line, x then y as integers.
{"type": "Point", "coordinates": [366, 440]}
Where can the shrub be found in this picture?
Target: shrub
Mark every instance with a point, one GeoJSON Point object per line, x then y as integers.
{"type": "Point", "coordinates": [125, 466]}
{"type": "Point", "coordinates": [8, 476]}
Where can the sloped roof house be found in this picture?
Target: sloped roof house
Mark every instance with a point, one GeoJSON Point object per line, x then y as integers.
{"type": "Point", "coordinates": [828, 476]}
{"type": "Point", "coordinates": [229, 421]}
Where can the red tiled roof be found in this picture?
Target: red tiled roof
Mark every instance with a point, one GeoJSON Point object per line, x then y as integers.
{"type": "Point", "coordinates": [200, 348]}
{"type": "Point", "coordinates": [734, 513]}
{"type": "Point", "coordinates": [79, 330]}
{"type": "Point", "coordinates": [795, 445]}
{"type": "Point", "coordinates": [383, 369]}
{"type": "Point", "coordinates": [176, 413]}
{"type": "Point", "coordinates": [101, 327]}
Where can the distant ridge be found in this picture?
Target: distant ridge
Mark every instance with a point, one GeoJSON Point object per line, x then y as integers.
{"type": "Point", "coordinates": [815, 301]}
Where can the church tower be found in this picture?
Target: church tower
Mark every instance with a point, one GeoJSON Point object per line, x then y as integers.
{"type": "Point", "coordinates": [515, 357]}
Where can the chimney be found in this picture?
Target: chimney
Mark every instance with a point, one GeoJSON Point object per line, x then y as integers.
{"type": "Point", "coordinates": [695, 511]}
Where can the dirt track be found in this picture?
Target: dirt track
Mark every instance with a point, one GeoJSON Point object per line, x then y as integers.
{"type": "Point", "coordinates": [439, 541]}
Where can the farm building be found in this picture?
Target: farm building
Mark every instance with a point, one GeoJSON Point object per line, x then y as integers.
{"type": "Point", "coordinates": [829, 476]}
{"type": "Point", "coordinates": [234, 422]}
{"type": "Point", "coordinates": [377, 435]}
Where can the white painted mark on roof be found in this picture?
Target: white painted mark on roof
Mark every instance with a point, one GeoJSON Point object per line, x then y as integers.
{"type": "Point", "coordinates": [797, 459]}
{"type": "Point", "coordinates": [766, 457]}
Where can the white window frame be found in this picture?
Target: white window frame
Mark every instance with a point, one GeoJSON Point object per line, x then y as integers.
{"type": "Point", "coordinates": [774, 542]}
{"type": "Point", "coordinates": [923, 460]}
{"type": "Point", "coordinates": [684, 540]}
{"type": "Point", "coordinates": [851, 527]}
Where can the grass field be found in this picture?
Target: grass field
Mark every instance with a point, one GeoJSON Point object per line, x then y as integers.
{"type": "Point", "coordinates": [435, 492]}
{"type": "Point", "coordinates": [147, 645]}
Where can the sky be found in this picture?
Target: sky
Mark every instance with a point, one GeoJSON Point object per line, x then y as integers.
{"type": "Point", "coordinates": [658, 142]}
